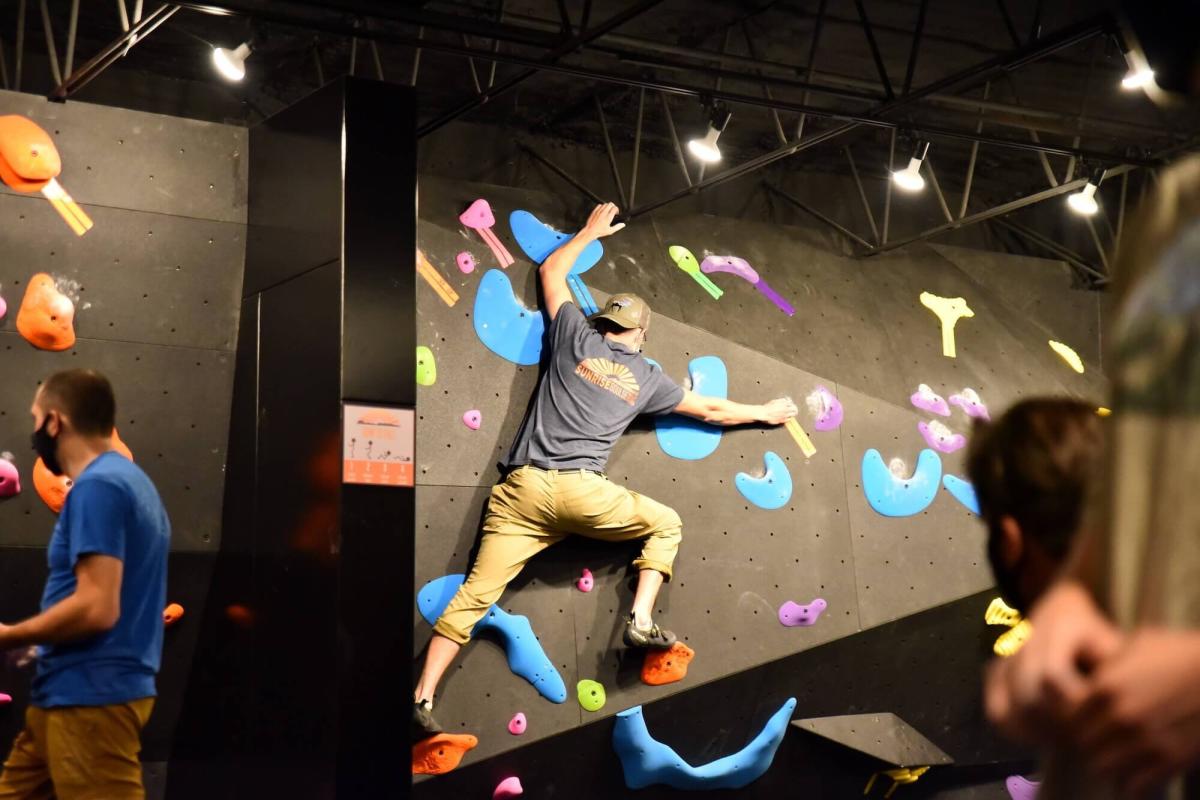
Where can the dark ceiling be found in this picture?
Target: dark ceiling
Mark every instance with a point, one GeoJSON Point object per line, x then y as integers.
{"type": "Point", "coordinates": [844, 73]}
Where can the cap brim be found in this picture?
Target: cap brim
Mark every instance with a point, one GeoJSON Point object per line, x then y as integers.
{"type": "Point", "coordinates": [616, 320]}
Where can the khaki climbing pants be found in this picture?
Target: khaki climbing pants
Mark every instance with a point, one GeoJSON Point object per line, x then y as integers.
{"type": "Point", "coordinates": [535, 508]}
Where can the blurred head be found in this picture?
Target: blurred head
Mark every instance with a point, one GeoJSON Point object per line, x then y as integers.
{"type": "Point", "coordinates": [73, 413]}
{"type": "Point", "coordinates": [1031, 469]}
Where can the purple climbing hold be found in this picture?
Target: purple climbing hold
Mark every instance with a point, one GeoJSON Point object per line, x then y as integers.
{"type": "Point", "coordinates": [1021, 789]}
{"type": "Point", "coordinates": [585, 582]}
{"type": "Point", "coordinates": [509, 787]}
{"type": "Point", "coordinates": [941, 438]}
{"type": "Point", "coordinates": [465, 261]}
{"type": "Point", "coordinates": [968, 400]}
{"type": "Point", "coordinates": [927, 399]}
{"type": "Point", "coordinates": [10, 478]}
{"type": "Point", "coordinates": [826, 408]}
{"type": "Point", "coordinates": [517, 725]}
{"type": "Point", "coordinates": [473, 419]}
{"type": "Point", "coordinates": [793, 614]}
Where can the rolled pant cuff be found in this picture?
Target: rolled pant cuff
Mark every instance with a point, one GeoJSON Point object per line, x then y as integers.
{"type": "Point", "coordinates": [657, 566]}
{"type": "Point", "coordinates": [453, 634]}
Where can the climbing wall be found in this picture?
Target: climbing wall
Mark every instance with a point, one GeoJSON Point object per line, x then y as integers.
{"type": "Point", "coordinates": [859, 329]}
{"type": "Point", "coordinates": [156, 285]}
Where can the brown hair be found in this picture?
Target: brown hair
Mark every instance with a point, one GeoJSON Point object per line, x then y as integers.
{"type": "Point", "coordinates": [85, 397]}
{"type": "Point", "coordinates": [1034, 464]}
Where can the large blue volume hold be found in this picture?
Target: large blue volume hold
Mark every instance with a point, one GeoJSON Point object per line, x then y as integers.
{"type": "Point", "coordinates": [901, 497]}
{"type": "Point", "coordinates": [773, 489]}
{"type": "Point", "coordinates": [507, 328]}
{"type": "Point", "coordinates": [688, 438]}
{"type": "Point", "coordinates": [963, 492]}
{"type": "Point", "coordinates": [539, 240]}
{"type": "Point", "coordinates": [647, 761]}
{"type": "Point", "coordinates": [525, 654]}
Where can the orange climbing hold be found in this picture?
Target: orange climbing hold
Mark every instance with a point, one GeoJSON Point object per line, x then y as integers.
{"type": "Point", "coordinates": [667, 666]}
{"type": "Point", "coordinates": [50, 487]}
{"type": "Point", "coordinates": [29, 162]}
{"type": "Point", "coordinates": [47, 316]}
{"type": "Point", "coordinates": [441, 753]}
{"type": "Point", "coordinates": [172, 613]}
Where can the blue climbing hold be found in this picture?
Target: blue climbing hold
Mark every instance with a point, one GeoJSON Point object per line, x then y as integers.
{"type": "Point", "coordinates": [647, 761]}
{"type": "Point", "coordinates": [963, 492]}
{"type": "Point", "coordinates": [525, 654]}
{"type": "Point", "coordinates": [507, 328]}
{"type": "Point", "coordinates": [773, 489]}
{"type": "Point", "coordinates": [894, 496]}
{"type": "Point", "coordinates": [687, 438]}
{"type": "Point", "coordinates": [539, 240]}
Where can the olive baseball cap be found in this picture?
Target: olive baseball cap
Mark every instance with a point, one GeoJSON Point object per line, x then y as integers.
{"type": "Point", "coordinates": [626, 310]}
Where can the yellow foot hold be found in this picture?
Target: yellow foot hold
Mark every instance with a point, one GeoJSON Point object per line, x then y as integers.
{"type": "Point", "coordinates": [801, 438]}
{"type": "Point", "coordinates": [1068, 355]}
{"type": "Point", "coordinates": [898, 776]}
{"type": "Point", "coordinates": [1013, 640]}
{"type": "Point", "coordinates": [949, 310]}
{"type": "Point", "coordinates": [1001, 613]}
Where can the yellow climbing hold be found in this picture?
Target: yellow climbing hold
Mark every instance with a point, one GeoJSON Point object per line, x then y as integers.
{"type": "Point", "coordinates": [801, 437]}
{"type": "Point", "coordinates": [1012, 640]}
{"type": "Point", "coordinates": [949, 310]}
{"type": "Point", "coordinates": [1103, 412]}
{"type": "Point", "coordinates": [1068, 355]}
{"type": "Point", "coordinates": [1001, 613]}
{"type": "Point", "coordinates": [898, 776]}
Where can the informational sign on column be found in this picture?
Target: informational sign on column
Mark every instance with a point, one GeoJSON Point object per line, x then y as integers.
{"type": "Point", "coordinates": [377, 445]}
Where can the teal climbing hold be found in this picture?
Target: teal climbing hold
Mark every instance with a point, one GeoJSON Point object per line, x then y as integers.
{"type": "Point", "coordinates": [539, 240]}
{"type": "Point", "coordinates": [895, 496]}
{"type": "Point", "coordinates": [426, 366]}
{"type": "Point", "coordinates": [962, 491]}
{"type": "Point", "coordinates": [647, 761]}
{"type": "Point", "coordinates": [591, 695]}
{"type": "Point", "coordinates": [773, 489]}
{"type": "Point", "coordinates": [525, 654]}
{"type": "Point", "coordinates": [507, 328]}
{"type": "Point", "coordinates": [690, 439]}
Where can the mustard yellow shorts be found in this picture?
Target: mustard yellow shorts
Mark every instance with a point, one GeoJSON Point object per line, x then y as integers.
{"type": "Point", "coordinates": [535, 508]}
{"type": "Point", "coordinates": [78, 753]}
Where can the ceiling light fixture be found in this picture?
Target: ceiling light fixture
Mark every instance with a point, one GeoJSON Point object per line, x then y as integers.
{"type": "Point", "coordinates": [1084, 202]}
{"type": "Point", "coordinates": [1137, 78]}
{"type": "Point", "coordinates": [231, 63]}
{"type": "Point", "coordinates": [909, 179]}
{"type": "Point", "coordinates": [705, 148]}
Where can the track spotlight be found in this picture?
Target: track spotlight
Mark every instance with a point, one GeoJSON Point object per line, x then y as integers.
{"type": "Point", "coordinates": [231, 63]}
{"type": "Point", "coordinates": [706, 148]}
{"type": "Point", "coordinates": [1138, 78]}
{"type": "Point", "coordinates": [909, 179]}
{"type": "Point", "coordinates": [1083, 202]}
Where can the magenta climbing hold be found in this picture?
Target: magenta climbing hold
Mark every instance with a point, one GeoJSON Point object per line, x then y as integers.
{"type": "Point", "coordinates": [941, 438]}
{"type": "Point", "coordinates": [927, 399]}
{"type": "Point", "coordinates": [968, 400]}
{"type": "Point", "coordinates": [585, 582]}
{"type": "Point", "coordinates": [827, 409]}
{"type": "Point", "coordinates": [465, 261]}
{"type": "Point", "coordinates": [741, 268]}
{"type": "Point", "coordinates": [509, 787]}
{"type": "Point", "coordinates": [3, 308]}
{"type": "Point", "coordinates": [478, 217]}
{"type": "Point", "coordinates": [1020, 788]}
{"type": "Point", "coordinates": [517, 725]}
{"type": "Point", "coordinates": [793, 614]}
{"type": "Point", "coordinates": [473, 419]}
{"type": "Point", "coordinates": [5, 699]}
{"type": "Point", "coordinates": [10, 478]}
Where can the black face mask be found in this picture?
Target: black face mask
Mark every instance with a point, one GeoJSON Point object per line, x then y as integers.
{"type": "Point", "coordinates": [46, 446]}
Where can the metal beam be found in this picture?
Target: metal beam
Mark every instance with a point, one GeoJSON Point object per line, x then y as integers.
{"type": "Point", "coordinates": [766, 89]}
{"type": "Point", "coordinates": [887, 192]}
{"type": "Point", "coordinates": [571, 45]}
{"type": "Point", "coordinates": [612, 158]}
{"type": "Point", "coordinates": [1120, 217]}
{"type": "Point", "coordinates": [106, 57]}
{"type": "Point", "coordinates": [862, 193]}
{"type": "Point", "coordinates": [377, 61]}
{"type": "Point", "coordinates": [3, 66]}
{"type": "Point", "coordinates": [72, 27]}
{"type": "Point", "coordinates": [966, 197]}
{"type": "Point", "coordinates": [560, 172]}
{"type": "Point", "coordinates": [637, 147]}
{"type": "Point", "coordinates": [937, 188]}
{"type": "Point", "coordinates": [1061, 251]}
{"type": "Point", "coordinates": [123, 15]}
{"type": "Point", "coordinates": [806, 208]}
{"type": "Point", "coordinates": [416, 67]}
{"type": "Point", "coordinates": [675, 139]}
{"type": "Point", "coordinates": [822, 7]}
{"type": "Point", "coordinates": [51, 50]}
{"type": "Point", "coordinates": [915, 48]}
{"type": "Point", "coordinates": [875, 54]}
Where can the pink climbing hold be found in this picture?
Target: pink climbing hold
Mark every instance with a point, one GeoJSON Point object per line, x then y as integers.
{"type": "Point", "coordinates": [969, 401]}
{"type": "Point", "coordinates": [793, 614]}
{"type": "Point", "coordinates": [1021, 789]}
{"type": "Point", "coordinates": [509, 787]}
{"type": "Point", "coordinates": [585, 582]}
{"type": "Point", "coordinates": [478, 217]}
{"type": "Point", "coordinates": [517, 725]}
{"type": "Point", "coordinates": [473, 419]}
{"type": "Point", "coordinates": [465, 261]}
{"type": "Point", "coordinates": [3, 308]}
{"type": "Point", "coordinates": [5, 699]}
{"type": "Point", "coordinates": [10, 478]}
{"type": "Point", "coordinates": [941, 438]}
{"type": "Point", "coordinates": [927, 399]}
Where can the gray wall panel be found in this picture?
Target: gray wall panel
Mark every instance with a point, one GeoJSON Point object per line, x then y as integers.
{"type": "Point", "coordinates": [149, 162]}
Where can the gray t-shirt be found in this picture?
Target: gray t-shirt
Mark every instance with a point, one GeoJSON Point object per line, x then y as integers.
{"type": "Point", "coordinates": [589, 393]}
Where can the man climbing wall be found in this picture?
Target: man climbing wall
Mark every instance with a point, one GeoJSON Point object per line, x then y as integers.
{"type": "Point", "coordinates": [594, 385]}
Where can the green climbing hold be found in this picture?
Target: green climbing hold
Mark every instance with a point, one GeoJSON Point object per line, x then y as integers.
{"type": "Point", "coordinates": [426, 366]}
{"type": "Point", "coordinates": [591, 695]}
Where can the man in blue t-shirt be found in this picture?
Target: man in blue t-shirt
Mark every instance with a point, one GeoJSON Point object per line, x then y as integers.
{"type": "Point", "coordinates": [99, 633]}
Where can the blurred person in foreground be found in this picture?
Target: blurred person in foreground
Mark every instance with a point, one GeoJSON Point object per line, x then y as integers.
{"type": "Point", "coordinates": [1109, 683]}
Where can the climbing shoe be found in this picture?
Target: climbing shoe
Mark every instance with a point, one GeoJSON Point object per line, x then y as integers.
{"type": "Point", "coordinates": [654, 637]}
{"type": "Point", "coordinates": [423, 723]}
